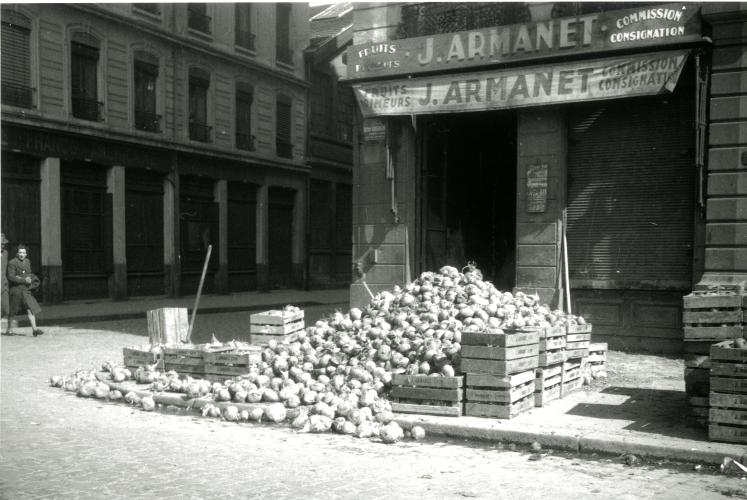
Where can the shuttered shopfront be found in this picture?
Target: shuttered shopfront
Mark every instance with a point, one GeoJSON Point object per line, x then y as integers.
{"type": "Point", "coordinates": [631, 194]}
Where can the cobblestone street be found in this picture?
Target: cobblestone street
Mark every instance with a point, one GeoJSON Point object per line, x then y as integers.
{"type": "Point", "coordinates": [56, 445]}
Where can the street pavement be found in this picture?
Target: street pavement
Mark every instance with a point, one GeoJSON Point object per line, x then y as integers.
{"type": "Point", "coordinates": [57, 445]}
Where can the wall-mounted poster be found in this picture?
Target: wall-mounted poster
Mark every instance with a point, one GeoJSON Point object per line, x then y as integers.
{"type": "Point", "coordinates": [537, 187]}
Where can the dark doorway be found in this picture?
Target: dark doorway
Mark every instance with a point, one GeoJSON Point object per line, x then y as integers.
{"type": "Point", "coordinates": [144, 226]}
{"type": "Point", "coordinates": [469, 202]}
{"type": "Point", "coordinates": [281, 201]}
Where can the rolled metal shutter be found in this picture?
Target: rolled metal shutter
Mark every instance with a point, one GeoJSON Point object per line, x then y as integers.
{"type": "Point", "coordinates": [631, 184]}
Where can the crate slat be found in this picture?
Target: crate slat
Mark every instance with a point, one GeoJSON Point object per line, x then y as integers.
{"type": "Point", "coordinates": [714, 333]}
{"type": "Point", "coordinates": [720, 400]}
{"type": "Point", "coordinates": [427, 393]}
{"type": "Point", "coordinates": [245, 358]}
{"type": "Point", "coordinates": [712, 317]}
{"type": "Point", "coordinates": [719, 369]}
{"type": "Point", "coordinates": [578, 337]}
{"type": "Point", "coordinates": [579, 328]}
{"type": "Point", "coordinates": [507, 339]}
{"type": "Point", "coordinates": [284, 329]}
{"type": "Point", "coordinates": [708, 301]}
{"type": "Point", "coordinates": [552, 332]}
{"type": "Point", "coordinates": [727, 433]}
{"type": "Point", "coordinates": [549, 358]}
{"type": "Point", "coordinates": [447, 411]}
{"type": "Point", "coordinates": [503, 411]}
{"type": "Point", "coordinates": [428, 381]}
{"type": "Point", "coordinates": [552, 343]}
{"type": "Point", "coordinates": [722, 416]}
{"type": "Point", "coordinates": [480, 380]}
{"type": "Point", "coordinates": [728, 385]}
{"type": "Point", "coordinates": [722, 352]}
{"type": "Point", "coordinates": [499, 353]}
{"type": "Point", "coordinates": [510, 395]}
{"type": "Point", "coordinates": [576, 353]}
{"type": "Point", "coordinates": [275, 317]}
{"type": "Point", "coordinates": [494, 367]}
{"type": "Point", "coordinates": [550, 371]}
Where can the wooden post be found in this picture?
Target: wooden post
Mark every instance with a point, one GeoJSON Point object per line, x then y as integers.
{"type": "Point", "coordinates": [199, 292]}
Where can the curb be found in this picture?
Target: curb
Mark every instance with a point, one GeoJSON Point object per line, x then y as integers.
{"type": "Point", "coordinates": [65, 320]}
{"type": "Point", "coordinates": [710, 453]}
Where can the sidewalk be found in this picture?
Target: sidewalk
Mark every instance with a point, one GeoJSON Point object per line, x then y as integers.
{"type": "Point", "coordinates": [108, 310]}
{"type": "Point", "coordinates": [640, 409]}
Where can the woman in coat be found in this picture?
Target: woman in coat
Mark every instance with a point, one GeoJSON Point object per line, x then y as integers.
{"type": "Point", "coordinates": [22, 281]}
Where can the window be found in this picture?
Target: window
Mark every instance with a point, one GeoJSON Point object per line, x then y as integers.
{"type": "Point", "coordinates": [244, 35]}
{"type": "Point", "coordinates": [283, 52]}
{"type": "Point", "coordinates": [84, 77]}
{"type": "Point", "coordinates": [199, 83]}
{"type": "Point", "coordinates": [283, 145]}
{"type": "Point", "coordinates": [150, 8]}
{"type": "Point", "coordinates": [16, 60]}
{"type": "Point", "coordinates": [244, 97]}
{"type": "Point", "coordinates": [345, 113]}
{"type": "Point", "coordinates": [197, 18]}
{"type": "Point", "coordinates": [146, 79]}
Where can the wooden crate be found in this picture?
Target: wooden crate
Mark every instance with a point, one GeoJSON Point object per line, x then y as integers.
{"type": "Point", "coordinates": [549, 358]}
{"type": "Point", "coordinates": [597, 359]}
{"type": "Point", "coordinates": [548, 384]}
{"type": "Point", "coordinates": [497, 352]}
{"type": "Point", "coordinates": [552, 346]}
{"type": "Point", "coordinates": [574, 329]}
{"type": "Point", "coordinates": [576, 353]}
{"type": "Point", "coordinates": [227, 365]}
{"type": "Point", "coordinates": [501, 338]}
{"type": "Point", "coordinates": [571, 377]}
{"type": "Point", "coordinates": [727, 417]}
{"type": "Point", "coordinates": [185, 359]}
{"type": "Point", "coordinates": [500, 396]}
{"type": "Point", "coordinates": [133, 357]}
{"type": "Point", "coordinates": [728, 371]}
{"type": "Point", "coordinates": [426, 395]}
{"type": "Point", "coordinates": [276, 324]}
{"type": "Point", "coordinates": [709, 315]}
{"type": "Point", "coordinates": [168, 325]}
{"type": "Point", "coordinates": [496, 367]}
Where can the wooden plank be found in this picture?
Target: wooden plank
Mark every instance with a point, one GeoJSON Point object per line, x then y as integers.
{"type": "Point", "coordinates": [577, 344]}
{"type": "Point", "coordinates": [722, 416]}
{"type": "Point", "coordinates": [576, 353]}
{"type": "Point", "coordinates": [549, 358]}
{"type": "Point", "coordinates": [499, 339]}
{"type": "Point", "coordinates": [572, 329]}
{"type": "Point", "coordinates": [572, 374]}
{"type": "Point", "coordinates": [551, 344]}
{"type": "Point", "coordinates": [447, 411]}
{"type": "Point", "coordinates": [552, 332]}
{"type": "Point", "coordinates": [284, 329]}
{"type": "Point", "coordinates": [475, 380]}
{"type": "Point", "coordinates": [190, 351]}
{"type": "Point", "coordinates": [712, 317]}
{"type": "Point", "coordinates": [595, 358]}
{"type": "Point", "coordinates": [428, 381]}
{"type": "Point", "coordinates": [243, 358]}
{"type": "Point", "coordinates": [578, 337]}
{"type": "Point", "coordinates": [228, 371]}
{"type": "Point", "coordinates": [182, 360]}
{"type": "Point", "coordinates": [504, 411]}
{"type": "Point", "coordinates": [263, 339]}
{"type": "Point", "coordinates": [721, 352]}
{"type": "Point", "coordinates": [714, 333]}
{"type": "Point", "coordinates": [275, 317]}
{"type": "Point", "coordinates": [598, 347]}
{"type": "Point", "coordinates": [499, 353]}
{"type": "Point", "coordinates": [426, 393]}
{"type": "Point", "coordinates": [549, 371]}
{"type": "Point", "coordinates": [719, 369]}
{"type": "Point", "coordinates": [541, 384]}
{"type": "Point", "coordinates": [699, 300]}
{"type": "Point", "coordinates": [728, 385]}
{"type": "Point", "coordinates": [720, 400]}
{"type": "Point", "coordinates": [493, 367]}
{"type": "Point", "coordinates": [137, 357]}
{"type": "Point", "coordinates": [727, 434]}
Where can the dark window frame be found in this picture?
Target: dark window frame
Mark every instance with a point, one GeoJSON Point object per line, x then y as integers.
{"type": "Point", "coordinates": [244, 37]}
{"type": "Point", "coordinates": [198, 97]}
{"type": "Point", "coordinates": [146, 100]}
{"type": "Point", "coordinates": [243, 120]}
{"type": "Point", "coordinates": [84, 79]}
{"type": "Point", "coordinates": [283, 131]}
{"type": "Point", "coordinates": [283, 18]}
{"type": "Point", "coordinates": [198, 18]}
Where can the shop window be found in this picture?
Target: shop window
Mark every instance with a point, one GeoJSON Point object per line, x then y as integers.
{"type": "Point", "coordinates": [146, 81]}
{"type": "Point", "coordinates": [244, 98]}
{"type": "Point", "coordinates": [244, 35]}
{"type": "Point", "coordinates": [283, 51]}
{"type": "Point", "coordinates": [283, 145]}
{"type": "Point", "coordinates": [197, 18]}
{"type": "Point", "coordinates": [16, 60]}
{"type": "Point", "coordinates": [84, 50]}
{"type": "Point", "coordinates": [199, 83]}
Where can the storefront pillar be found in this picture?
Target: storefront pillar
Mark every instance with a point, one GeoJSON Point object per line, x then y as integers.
{"type": "Point", "coordinates": [51, 231]}
{"type": "Point", "coordinates": [263, 263]}
{"type": "Point", "coordinates": [172, 266]}
{"type": "Point", "coordinates": [540, 202]}
{"type": "Point", "coordinates": [298, 255]}
{"type": "Point", "coordinates": [115, 185]}
{"type": "Point", "coordinates": [221, 198]}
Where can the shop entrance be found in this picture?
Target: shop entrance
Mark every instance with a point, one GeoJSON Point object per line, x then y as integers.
{"type": "Point", "coordinates": [468, 183]}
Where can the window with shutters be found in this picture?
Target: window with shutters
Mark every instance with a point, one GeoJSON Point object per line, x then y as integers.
{"type": "Point", "coordinates": [283, 145]}
{"type": "Point", "coordinates": [198, 19]}
{"type": "Point", "coordinates": [84, 77]}
{"type": "Point", "coordinates": [199, 83]}
{"type": "Point", "coordinates": [244, 98]}
{"type": "Point", "coordinates": [244, 35]}
{"type": "Point", "coordinates": [146, 81]}
{"type": "Point", "coordinates": [283, 51]}
{"type": "Point", "coordinates": [16, 60]}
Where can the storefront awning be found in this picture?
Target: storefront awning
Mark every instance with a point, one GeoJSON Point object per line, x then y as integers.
{"type": "Point", "coordinates": [589, 80]}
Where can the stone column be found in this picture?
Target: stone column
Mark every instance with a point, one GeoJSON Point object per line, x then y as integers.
{"type": "Point", "coordinates": [221, 198]}
{"type": "Point", "coordinates": [172, 265]}
{"type": "Point", "coordinates": [115, 185]}
{"type": "Point", "coordinates": [263, 262]}
{"type": "Point", "coordinates": [51, 230]}
{"type": "Point", "coordinates": [298, 255]}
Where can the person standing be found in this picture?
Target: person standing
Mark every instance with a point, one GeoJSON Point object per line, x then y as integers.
{"type": "Point", "coordinates": [5, 304]}
{"type": "Point", "coordinates": [22, 283]}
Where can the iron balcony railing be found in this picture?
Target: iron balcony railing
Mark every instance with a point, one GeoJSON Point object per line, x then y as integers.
{"type": "Point", "coordinates": [284, 54]}
{"type": "Point", "coordinates": [198, 21]}
{"type": "Point", "coordinates": [245, 39]}
{"type": "Point", "coordinates": [17, 95]}
{"type": "Point", "coordinates": [283, 148]}
{"type": "Point", "coordinates": [88, 109]}
{"type": "Point", "coordinates": [147, 120]}
{"type": "Point", "coordinates": [200, 132]}
{"type": "Point", "coordinates": [245, 141]}
{"type": "Point", "coordinates": [424, 19]}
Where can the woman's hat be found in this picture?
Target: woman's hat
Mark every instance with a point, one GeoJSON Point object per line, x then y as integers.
{"type": "Point", "coordinates": [2, 238]}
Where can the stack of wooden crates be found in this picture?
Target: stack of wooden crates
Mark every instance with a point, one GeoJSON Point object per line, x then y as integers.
{"type": "Point", "coordinates": [709, 316]}
{"type": "Point", "coordinates": [276, 325]}
{"type": "Point", "coordinates": [426, 395]}
{"type": "Point", "coordinates": [501, 370]}
{"type": "Point", "coordinates": [549, 379]}
{"type": "Point", "coordinates": [727, 418]}
{"type": "Point", "coordinates": [577, 341]}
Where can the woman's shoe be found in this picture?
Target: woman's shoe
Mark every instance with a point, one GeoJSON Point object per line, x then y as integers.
{"type": "Point", "coordinates": [38, 332]}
